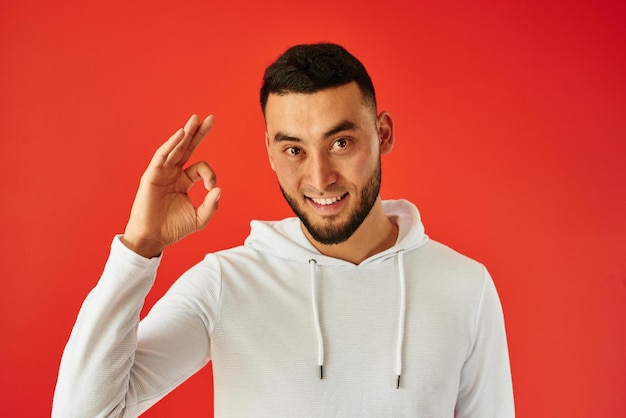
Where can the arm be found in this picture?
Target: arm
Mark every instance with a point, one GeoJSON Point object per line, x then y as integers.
{"type": "Point", "coordinates": [112, 365]}
{"type": "Point", "coordinates": [486, 389]}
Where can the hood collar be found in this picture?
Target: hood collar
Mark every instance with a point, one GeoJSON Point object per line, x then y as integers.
{"type": "Point", "coordinates": [285, 239]}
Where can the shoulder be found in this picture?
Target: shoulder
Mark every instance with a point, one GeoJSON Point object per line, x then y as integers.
{"type": "Point", "coordinates": [442, 259]}
{"type": "Point", "coordinates": [445, 276]}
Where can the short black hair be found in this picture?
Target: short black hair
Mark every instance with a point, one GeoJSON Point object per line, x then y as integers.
{"type": "Point", "coordinates": [309, 68]}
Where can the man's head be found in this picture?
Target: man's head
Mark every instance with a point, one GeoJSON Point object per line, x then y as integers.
{"type": "Point", "coordinates": [324, 139]}
{"type": "Point", "coordinates": [314, 67]}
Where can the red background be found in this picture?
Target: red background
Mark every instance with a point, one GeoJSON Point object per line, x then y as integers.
{"type": "Point", "coordinates": [510, 139]}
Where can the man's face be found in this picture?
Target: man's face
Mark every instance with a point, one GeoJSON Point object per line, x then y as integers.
{"type": "Point", "coordinates": [325, 149]}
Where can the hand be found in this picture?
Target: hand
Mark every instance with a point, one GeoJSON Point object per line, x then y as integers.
{"type": "Point", "coordinates": [162, 212]}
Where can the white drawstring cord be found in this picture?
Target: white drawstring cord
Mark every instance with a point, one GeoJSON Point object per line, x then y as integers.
{"type": "Point", "coordinates": [316, 318]}
{"type": "Point", "coordinates": [401, 319]}
{"type": "Point", "coordinates": [400, 341]}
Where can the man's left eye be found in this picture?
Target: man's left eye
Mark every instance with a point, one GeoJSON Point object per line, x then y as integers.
{"type": "Point", "coordinates": [340, 143]}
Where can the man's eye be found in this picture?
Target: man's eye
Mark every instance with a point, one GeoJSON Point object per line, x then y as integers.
{"type": "Point", "coordinates": [340, 143]}
{"type": "Point", "coordinates": [293, 151]}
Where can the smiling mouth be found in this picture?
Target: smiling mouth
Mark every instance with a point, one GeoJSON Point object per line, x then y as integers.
{"type": "Point", "coordinates": [324, 201]}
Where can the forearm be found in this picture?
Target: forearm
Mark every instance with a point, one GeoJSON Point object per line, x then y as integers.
{"type": "Point", "coordinates": [95, 368]}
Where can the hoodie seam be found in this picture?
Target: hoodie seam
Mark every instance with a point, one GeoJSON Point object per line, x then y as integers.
{"type": "Point", "coordinates": [477, 315]}
{"type": "Point", "coordinates": [218, 313]}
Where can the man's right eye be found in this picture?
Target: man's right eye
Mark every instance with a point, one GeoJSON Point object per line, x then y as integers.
{"type": "Point", "coordinates": [293, 151]}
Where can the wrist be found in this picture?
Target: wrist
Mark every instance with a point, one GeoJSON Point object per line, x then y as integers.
{"type": "Point", "coordinates": [142, 247]}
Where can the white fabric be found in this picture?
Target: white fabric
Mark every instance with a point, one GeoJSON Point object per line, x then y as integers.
{"type": "Point", "coordinates": [249, 310]}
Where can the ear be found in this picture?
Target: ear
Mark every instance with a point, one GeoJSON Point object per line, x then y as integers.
{"type": "Point", "coordinates": [267, 147]}
{"type": "Point", "coordinates": [385, 133]}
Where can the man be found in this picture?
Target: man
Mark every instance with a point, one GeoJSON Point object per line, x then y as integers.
{"type": "Point", "coordinates": [347, 310]}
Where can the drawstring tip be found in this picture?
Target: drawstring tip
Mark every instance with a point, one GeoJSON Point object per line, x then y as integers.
{"type": "Point", "coordinates": [321, 371]}
{"type": "Point", "coordinates": [398, 382]}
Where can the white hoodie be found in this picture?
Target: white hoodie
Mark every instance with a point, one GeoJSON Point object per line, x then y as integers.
{"type": "Point", "coordinates": [270, 313]}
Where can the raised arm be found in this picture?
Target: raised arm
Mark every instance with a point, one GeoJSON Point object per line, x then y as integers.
{"type": "Point", "coordinates": [113, 365]}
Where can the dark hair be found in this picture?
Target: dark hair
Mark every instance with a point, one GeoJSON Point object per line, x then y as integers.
{"type": "Point", "coordinates": [310, 68]}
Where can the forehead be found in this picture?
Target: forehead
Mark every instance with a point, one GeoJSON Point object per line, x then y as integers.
{"type": "Point", "coordinates": [294, 112]}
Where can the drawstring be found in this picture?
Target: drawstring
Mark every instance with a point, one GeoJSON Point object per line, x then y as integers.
{"type": "Point", "coordinates": [401, 318]}
{"type": "Point", "coordinates": [316, 318]}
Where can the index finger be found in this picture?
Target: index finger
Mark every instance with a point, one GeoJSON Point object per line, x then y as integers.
{"type": "Point", "coordinates": [197, 138]}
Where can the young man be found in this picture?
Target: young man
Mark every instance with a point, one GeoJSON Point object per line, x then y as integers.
{"type": "Point", "coordinates": [347, 310]}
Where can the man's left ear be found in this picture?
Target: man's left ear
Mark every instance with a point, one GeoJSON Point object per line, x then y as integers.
{"type": "Point", "coordinates": [385, 132]}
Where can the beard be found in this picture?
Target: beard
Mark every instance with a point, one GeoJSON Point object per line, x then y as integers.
{"type": "Point", "coordinates": [330, 233]}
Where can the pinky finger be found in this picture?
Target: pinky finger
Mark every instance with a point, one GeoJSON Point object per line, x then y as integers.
{"type": "Point", "coordinates": [162, 153]}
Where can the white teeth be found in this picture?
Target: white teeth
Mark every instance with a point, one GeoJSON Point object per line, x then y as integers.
{"type": "Point", "coordinates": [326, 200]}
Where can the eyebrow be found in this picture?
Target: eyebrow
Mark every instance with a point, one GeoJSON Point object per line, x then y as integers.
{"type": "Point", "coordinates": [344, 125]}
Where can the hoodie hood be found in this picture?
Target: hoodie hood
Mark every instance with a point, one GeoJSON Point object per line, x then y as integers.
{"type": "Point", "coordinates": [285, 239]}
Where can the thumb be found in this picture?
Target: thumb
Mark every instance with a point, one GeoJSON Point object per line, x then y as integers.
{"type": "Point", "coordinates": [207, 208]}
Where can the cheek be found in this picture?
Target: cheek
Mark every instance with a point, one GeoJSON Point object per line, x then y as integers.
{"type": "Point", "coordinates": [287, 175]}
{"type": "Point", "coordinates": [365, 166]}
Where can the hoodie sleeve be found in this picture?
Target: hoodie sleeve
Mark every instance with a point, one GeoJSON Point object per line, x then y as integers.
{"type": "Point", "coordinates": [113, 365]}
{"type": "Point", "coordinates": [486, 388]}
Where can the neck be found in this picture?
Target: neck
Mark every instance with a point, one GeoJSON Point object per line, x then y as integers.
{"type": "Point", "coordinates": [376, 234]}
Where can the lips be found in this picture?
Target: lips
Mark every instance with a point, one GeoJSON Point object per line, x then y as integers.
{"type": "Point", "coordinates": [324, 201]}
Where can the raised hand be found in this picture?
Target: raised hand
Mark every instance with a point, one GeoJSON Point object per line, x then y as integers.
{"type": "Point", "coordinates": [162, 212]}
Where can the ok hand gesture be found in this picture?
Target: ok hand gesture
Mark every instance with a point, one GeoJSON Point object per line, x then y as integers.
{"type": "Point", "coordinates": [162, 212]}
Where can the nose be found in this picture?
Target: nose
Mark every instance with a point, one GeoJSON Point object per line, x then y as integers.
{"type": "Point", "coordinates": [322, 172]}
